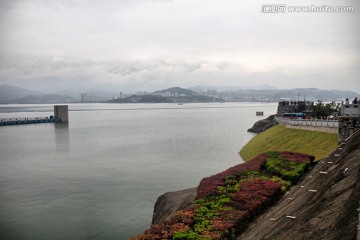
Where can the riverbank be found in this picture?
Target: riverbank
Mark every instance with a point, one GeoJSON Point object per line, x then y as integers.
{"type": "Point", "coordinates": [326, 143]}
{"type": "Point", "coordinates": [280, 138]}
{"type": "Point", "coordinates": [277, 138]}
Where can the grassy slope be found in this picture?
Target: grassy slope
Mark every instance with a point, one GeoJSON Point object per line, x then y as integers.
{"type": "Point", "coordinates": [279, 138]}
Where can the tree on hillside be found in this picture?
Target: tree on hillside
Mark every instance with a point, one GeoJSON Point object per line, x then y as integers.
{"type": "Point", "coordinates": [322, 110]}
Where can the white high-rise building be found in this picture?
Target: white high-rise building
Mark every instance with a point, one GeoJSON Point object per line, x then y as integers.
{"type": "Point", "coordinates": [84, 97]}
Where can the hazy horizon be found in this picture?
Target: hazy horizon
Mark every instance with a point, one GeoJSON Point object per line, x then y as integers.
{"type": "Point", "coordinates": [150, 45]}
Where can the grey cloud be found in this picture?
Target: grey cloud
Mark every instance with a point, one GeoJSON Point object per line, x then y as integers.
{"type": "Point", "coordinates": [127, 68]}
{"type": "Point", "coordinates": [156, 43]}
{"type": "Point", "coordinates": [191, 67]}
{"type": "Point", "coordinates": [130, 68]}
{"type": "Point", "coordinates": [223, 66]}
{"type": "Point", "coordinates": [43, 65]}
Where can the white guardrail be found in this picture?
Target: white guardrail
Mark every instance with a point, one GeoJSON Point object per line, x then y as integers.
{"type": "Point", "coordinates": [330, 123]}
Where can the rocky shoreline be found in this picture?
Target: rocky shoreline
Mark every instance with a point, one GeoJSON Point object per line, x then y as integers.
{"type": "Point", "coordinates": [263, 125]}
{"type": "Point", "coordinates": [170, 202]}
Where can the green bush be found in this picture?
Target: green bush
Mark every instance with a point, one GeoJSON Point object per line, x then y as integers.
{"type": "Point", "coordinates": [186, 235]}
{"type": "Point", "coordinates": [285, 169]}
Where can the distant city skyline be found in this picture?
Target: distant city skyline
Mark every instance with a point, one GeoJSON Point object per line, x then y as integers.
{"type": "Point", "coordinates": [148, 45]}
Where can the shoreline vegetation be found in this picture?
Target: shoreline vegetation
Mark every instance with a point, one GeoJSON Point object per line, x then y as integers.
{"type": "Point", "coordinates": [223, 204]}
{"type": "Point", "coordinates": [226, 202]}
{"type": "Point", "coordinates": [280, 138]}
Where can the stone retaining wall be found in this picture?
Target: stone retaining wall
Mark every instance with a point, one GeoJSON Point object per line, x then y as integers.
{"type": "Point", "coordinates": [347, 126]}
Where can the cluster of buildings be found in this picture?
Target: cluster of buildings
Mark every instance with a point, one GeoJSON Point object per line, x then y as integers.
{"type": "Point", "coordinates": [240, 96]}
{"type": "Point", "coordinates": [168, 94]}
{"type": "Point", "coordinates": [85, 97]}
{"type": "Point", "coordinates": [224, 95]}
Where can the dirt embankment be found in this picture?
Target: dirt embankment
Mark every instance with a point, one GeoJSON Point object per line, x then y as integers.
{"type": "Point", "coordinates": [324, 205]}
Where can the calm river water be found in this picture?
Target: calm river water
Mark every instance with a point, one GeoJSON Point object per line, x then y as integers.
{"type": "Point", "coordinates": [99, 176]}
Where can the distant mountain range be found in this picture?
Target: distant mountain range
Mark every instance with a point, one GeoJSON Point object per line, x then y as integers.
{"type": "Point", "coordinates": [177, 90]}
{"type": "Point", "coordinates": [47, 98]}
{"type": "Point", "coordinates": [233, 88]}
{"type": "Point", "coordinates": [170, 95]}
{"type": "Point", "coordinates": [11, 94]}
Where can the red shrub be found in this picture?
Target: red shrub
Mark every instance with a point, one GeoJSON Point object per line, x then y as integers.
{"type": "Point", "coordinates": [211, 235]}
{"type": "Point", "coordinates": [183, 216]}
{"type": "Point", "coordinates": [160, 230]}
{"type": "Point", "coordinates": [255, 195]}
{"type": "Point", "coordinates": [179, 227]}
{"type": "Point", "coordinates": [297, 157]}
{"type": "Point", "coordinates": [228, 220]}
{"type": "Point", "coordinates": [157, 231]}
{"type": "Point", "coordinates": [180, 221]}
{"type": "Point", "coordinates": [209, 185]}
{"type": "Point", "coordinates": [220, 225]}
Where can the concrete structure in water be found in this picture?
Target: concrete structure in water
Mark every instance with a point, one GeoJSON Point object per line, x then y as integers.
{"type": "Point", "coordinates": [61, 112]}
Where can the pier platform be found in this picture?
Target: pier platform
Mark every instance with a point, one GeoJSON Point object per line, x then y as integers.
{"type": "Point", "coordinates": [28, 120]}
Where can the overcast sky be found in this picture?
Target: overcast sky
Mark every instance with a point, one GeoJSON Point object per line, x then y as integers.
{"type": "Point", "coordinates": [153, 44]}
